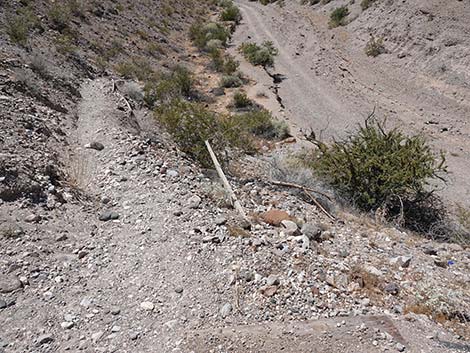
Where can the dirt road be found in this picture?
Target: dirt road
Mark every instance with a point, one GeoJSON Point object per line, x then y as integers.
{"type": "Point", "coordinates": [330, 85]}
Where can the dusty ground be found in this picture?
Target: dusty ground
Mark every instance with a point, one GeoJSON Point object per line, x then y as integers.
{"type": "Point", "coordinates": [330, 85]}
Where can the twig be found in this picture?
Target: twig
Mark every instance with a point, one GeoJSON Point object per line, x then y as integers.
{"type": "Point", "coordinates": [228, 188]}
{"type": "Point", "coordinates": [291, 185]}
{"type": "Point", "coordinates": [315, 201]}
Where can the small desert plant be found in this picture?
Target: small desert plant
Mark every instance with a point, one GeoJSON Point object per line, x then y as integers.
{"type": "Point", "coordinates": [232, 81]}
{"type": "Point", "coordinates": [59, 15]}
{"type": "Point", "coordinates": [259, 54]}
{"type": "Point", "coordinates": [262, 123]}
{"type": "Point", "coordinates": [241, 100]}
{"type": "Point", "coordinates": [201, 34]}
{"type": "Point", "coordinates": [165, 87]}
{"type": "Point", "coordinates": [223, 63]}
{"type": "Point", "coordinates": [137, 67]}
{"type": "Point", "coordinates": [338, 16]}
{"type": "Point", "coordinates": [18, 27]}
{"type": "Point", "coordinates": [375, 47]}
{"type": "Point", "coordinates": [231, 13]}
{"type": "Point", "coordinates": [379, 169]}
{"type": "Point", "coordinates": [39, 65]}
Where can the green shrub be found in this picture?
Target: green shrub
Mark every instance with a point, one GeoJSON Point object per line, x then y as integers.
{"type": "Point", "coordinates": [259, 54]}
{"type": "Point", "coordinates": [375, 47]}
{"type": "Point", "coordinates": [262, 123]}
{"type": "Point", "coordinates": [191, 124]}
{"type": "Point", "coordinates": [338, 16]}
{"type": "Point", "coordinates": [201, 34]}
{"type": "Point", "coordinates": [241, 100]}
{"type": "Point", "coordinates": [232, 81]}
{"type": "Point", "coordinates": [18, 27]}
{"type": "Point", "coordinates": [136, 68]}
{"type": "Point", "coordinates": [165, 87]}
{"type": "Point", "coordinates": [231, 13]}
{"type": "Point", "coordinates": [223, 63]}
{"type": "Point", "coordinates": [376, 168]}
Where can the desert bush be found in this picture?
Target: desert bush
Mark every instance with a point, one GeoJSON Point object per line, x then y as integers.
{"type": "Point", "coordinates": [375, 47]}
{"type": "Point", "coordinates": [191, 124]}
{"type": "Point", "coordinates": [165, 87]}
{"type": "Point", "coordinates": [232, 81]}
{"type": "Point", "coordinates": [59, 16]}
{"type": "Point", "coordinates": [39, 65]}
{"type": "Point", "coordinates": [375, 168]}
{"type": "Point", "coordinates": [259, 54]}
{"type": "Point", "coordinates": [231, 13]}
{"type": "Point", "coordinates": [338, 16]}
{"type": "Point", "coordinates": [201, 34]}
{"type": "Point", "coordinates": [222, 62]}
{"type": "Point", "coordinates": [136, 68]}
{"type": "Point", "coordinates": [262, 123]}
{"type": "Point", "coordinates": [18, 26]}
{"type": "Point", "coordinates": [241, 100]}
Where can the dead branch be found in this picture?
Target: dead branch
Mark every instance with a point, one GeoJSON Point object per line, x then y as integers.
{"type": "Point", "coordinates": [307, 191]}
{"type": "Point", "coordinates": [291, 185]}
{"type": "Point", "coordinates": [228, 188]}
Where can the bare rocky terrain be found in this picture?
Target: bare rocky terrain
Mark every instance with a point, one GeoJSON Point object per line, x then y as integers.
{"type": "Point", "coordinates": [113, 240]}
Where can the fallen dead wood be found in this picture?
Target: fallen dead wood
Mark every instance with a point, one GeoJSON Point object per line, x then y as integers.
{"type": "Point", "coordinates": [307, 191]}
{"type": "Point", "coordinates": [228, 188]}
{"type": "Point", "coordinates": [297, 186]}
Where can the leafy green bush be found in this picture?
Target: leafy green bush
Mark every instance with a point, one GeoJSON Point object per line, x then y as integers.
{"type": "Point", "coordinates": [259, 54]}
{"type": "Point", "coordinates": [165, 87]}
{"type": "Point", "coordinates": [191, 124]}
{"type": "Point", "coordinates": [380, 169]}
{"type": "Point", "coordinates": [201, 34]}
{"type": "Point", "coordinates": [231, 13]}
{"type": "Point", "coordinates": [375, 47]}
{"type": "Point", "coordinates": [262, 123]}
{"type": "Point", "coordinates": [338, 16]}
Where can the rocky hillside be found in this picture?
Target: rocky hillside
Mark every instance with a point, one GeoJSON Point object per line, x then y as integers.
{"type": "Point", "coordinates": [47, 50]}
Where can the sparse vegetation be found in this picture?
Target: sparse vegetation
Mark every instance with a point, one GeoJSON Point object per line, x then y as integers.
{"type": "Point", "coordinates": [59, 16]}
{"type": "Point", "coordinates": [375, 47]}
{"type": "Point", "coordinates": [379, 169]}
{"type": "Point", "coordinates": [191, 124]}
{"type": "Point", "coordinates": [231, 13]}
{"type": "Point", "coordinates": [18, 27]}
{"type": "Point", "coordinates": [201, 34]}
{"type": "Point", "coordinates": [223, 63]}
{"type": "Point", "coordinates": [165, 87]}
{"type": "Point", "coordinates": [241, 100]}
{"type": "Point", "coordinates": [262, 123]}
{"type": "Point", "coordinates": [259, 54]}
{"type": "Point", "coordinates": [137, 67]}
{"type": "Point", "coordinates": [232, 81]}
{"type": "Point", "coordinates": [338, 16]}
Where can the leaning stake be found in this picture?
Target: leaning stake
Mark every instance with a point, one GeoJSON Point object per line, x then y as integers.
{"type": "Point", "coordinates": [233, 197]}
